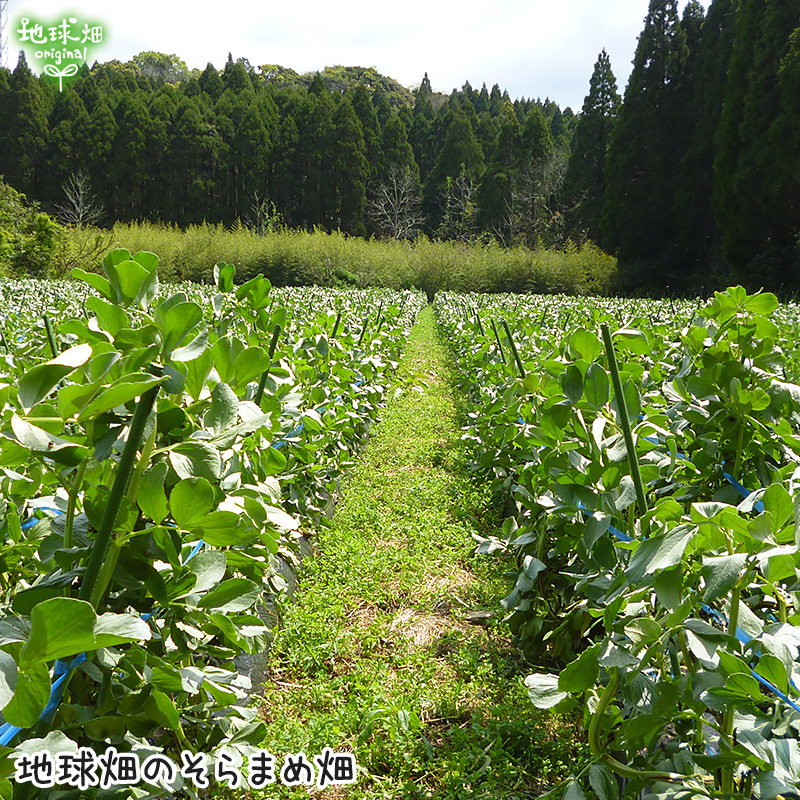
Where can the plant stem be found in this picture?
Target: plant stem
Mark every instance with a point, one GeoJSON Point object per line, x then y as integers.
{"type": "Point", "coordinates": [118, 490]}
{"type": "Point", "coordinates": [625, 423]}
{"type": "Point", "coordinates": [478, 320]}
{"type": "Point", "coordinates": [597, 750]}
{"type": "Point", "coordinates": [737, 464]}
{"type": "Point", "coordinates": [72, 502]}
{"type": "Point", "coordinates": [727, 717]}
{"type": "Point", "coordinates": [363, 330]}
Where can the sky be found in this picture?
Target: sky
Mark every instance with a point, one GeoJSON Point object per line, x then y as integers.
{"type": "Point", "coordinates": [531, 48]}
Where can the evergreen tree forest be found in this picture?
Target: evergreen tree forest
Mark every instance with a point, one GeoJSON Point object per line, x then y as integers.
{"type": "Point", "coordinates": [691, 178]}
{"type": "Point", "coordinates": [344, 150]}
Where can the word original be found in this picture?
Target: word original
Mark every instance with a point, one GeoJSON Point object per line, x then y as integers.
{"type": "Point", "coordinates": [85, 768]}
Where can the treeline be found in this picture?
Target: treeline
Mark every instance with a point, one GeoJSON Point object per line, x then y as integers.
{"type": "Point", "coordinates": [695, 177]}
{"type": "Point", "coordinates": [692, 180]}
{"type": "Point", "coordinates": [344, 150]}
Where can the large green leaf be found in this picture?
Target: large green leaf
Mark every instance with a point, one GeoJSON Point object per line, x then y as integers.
{"type": "Point", "coordinates": [177, 323]}
{"type": "Point", "coordinates": [8, 678]}
{"type": "Point", "coordinates": [151, 498]}
{"type": "Point", "coordinates": [31, 694]}
{"type": "Point", "coordinates": [543, 690]}
{"type": "Point", "coordinates": [224, 405]}
{"type": "Point", "coordinates": [37, 382]}
{"type": "Point", "coordinates": [581, 674]}
{"type": "Point", "coordinates": [38, 441]}
{"type": "Point", "coordinates": [196, 460]}
{"type": "Point", "coordinates": [123, 391]}
{"type": "Point", "coordinates": [191, 501]}
{"type": "Point", "coordinates": [236, 594]}
{"type": "Point", "coordinates": [61, 627]}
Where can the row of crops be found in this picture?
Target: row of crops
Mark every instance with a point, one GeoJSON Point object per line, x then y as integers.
{"type": "Point", "coordinates": [163, 451]}
{"type": "Point", "coordinates": [649, 454]}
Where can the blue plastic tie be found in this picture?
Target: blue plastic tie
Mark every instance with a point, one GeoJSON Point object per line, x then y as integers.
{"type": "Point", "coordinates": [758, 505]}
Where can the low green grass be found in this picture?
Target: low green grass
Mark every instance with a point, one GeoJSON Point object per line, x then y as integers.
{"type": "Point", "coordinates": [375, 654]}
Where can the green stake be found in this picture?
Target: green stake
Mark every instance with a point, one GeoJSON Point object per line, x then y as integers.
{"type": "Point", "coordinates": [100, 547]}
{"type": "Point", "coordinates": [499, 345]}
{"type": "Point", "coordinates": [514, 350]}
{"type": "Point", "coordinates": [262, 384]}
{"type": "Point", "coordinates": [625, 423]}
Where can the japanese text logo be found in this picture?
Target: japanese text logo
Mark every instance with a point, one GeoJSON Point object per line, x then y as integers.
{"type": "Point", "coordinates": [59, 48]}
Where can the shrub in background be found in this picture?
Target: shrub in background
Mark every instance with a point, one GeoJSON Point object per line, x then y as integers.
{"type": "Point", "coordinates": [29, 239]}
{"type": "Point", "coordinates": [297, 257]}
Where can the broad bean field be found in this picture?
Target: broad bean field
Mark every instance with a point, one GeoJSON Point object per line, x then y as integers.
{"type": "Point", "coordinates": [651, 455]}
{"type": "Point", "coordinates": [163, 453]}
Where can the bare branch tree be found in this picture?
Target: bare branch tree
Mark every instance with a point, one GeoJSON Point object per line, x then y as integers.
{"type": "Point", "coordinates": [395, 206]}
{"type": "Point", "coordinates": [81, 208]}
{"type": "Point", "coordinates": [264, 217]}
{"type": "Point", "coordinates": [459, 209]}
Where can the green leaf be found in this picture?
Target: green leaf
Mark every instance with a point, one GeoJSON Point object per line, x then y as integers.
{"type": "Point", "coordinates": [602, 780]}
{"type": "Point", "coordinates": [37, 382]}
{"type": "Point", "coordinates": [196, 460]}
{"type": "Point", "coordinates": [739, 686]}
{"type": "Point", "coordinates": [720, 574]}
{"type": "Point", "coordinates": [191, 351]}
{"type": "Point", "coordinates": [250, 364]}
{"type": "Point", "coordinates": [255, 292]}
{"type": "Point", "coordinates": [223, 276]}
{"type": "Point", "coordinates": [633, 340]}
{"type": "Point", "coordinates": [162, 708]}
{"type": "Point", "coordinates": [191, 501]}
{"type": "Point", "coordinates": [209, 566]}
{"type": "Point", "coordinates": [112, 629]}
{"type": "Point", "coordinates": [280, 519]}
{"type": "Point", "coordinates": [110, 318]}
{"type": "Point", "coordinates": [127, 388]}
{"type": "Point", "coordinates": [643, 630]}
{"type": "Point", "coordinates": [573, 791]}
{"type": "Point", "coordinates": [543, 690]}
{"type": "Point", "coordinates": [30, 696]}
{"type": "Point", "coordinates": [581, 674]}
{"type": "Point", "coordinates": [224, 405]}
{"type": "Point", "coordinates": [97, 282]}
{"type": "Point", "coordinates": [778, 502]}
{"type": "Point", "coordinates": [773, 670]}
{"type": "Point", "coordinates": [176, 324]}
{"type": "Point", "coordinates": [572, 383]}
{"type": "Point", "coordinates": [585, 345]}
{"type": "Point", "coordinates": [224, 529]}
{"type": "Point", "coordinates": [235, 594]}
{"type": "Point", "coordinates": [660, 552]}
{"type": "Point", "coordinates": [151, 497]}
{"type": "Point", "coordinates": [38, 441]}
{"type": "Point", "coordinates": [8, 678]}
{"type": "Point", "coordinates": [127, 278]}
{"type": "Point", "coordinates": [61, 627]}
{"type": "Point", "coordinates": [597, 387]}
{"type": "Point", "coordinates": [669, 586]}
